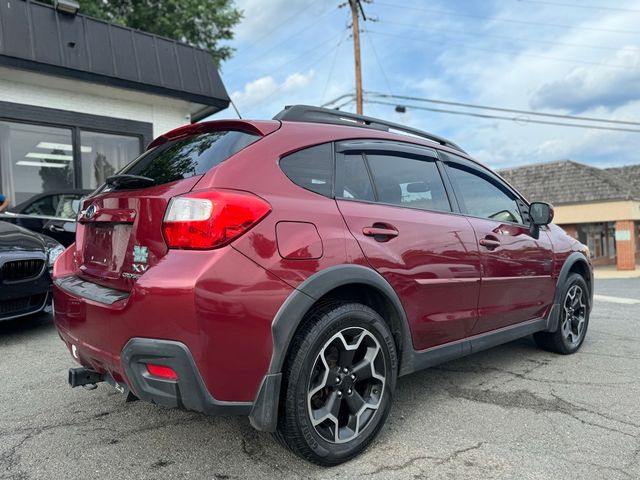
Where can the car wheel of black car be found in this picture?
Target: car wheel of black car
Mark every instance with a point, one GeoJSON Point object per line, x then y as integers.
{"type": "Point", "coordinates": [338, 383]}
{"type": "Point", "coordinates": [574, 319]}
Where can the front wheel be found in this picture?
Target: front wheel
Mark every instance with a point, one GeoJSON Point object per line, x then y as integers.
{"type": "Point", "coordinates": [573, 321]}
{"type": "Point", "coordinates": [338, 384]}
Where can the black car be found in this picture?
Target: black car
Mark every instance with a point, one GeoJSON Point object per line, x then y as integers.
{"type": "Point", "coordinates": [61, 204]}
{"type": "Point", "coordinates": [26, 261]}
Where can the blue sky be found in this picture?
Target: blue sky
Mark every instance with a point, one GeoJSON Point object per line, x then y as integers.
{"type": "Point", "coordinates": [559, 56]}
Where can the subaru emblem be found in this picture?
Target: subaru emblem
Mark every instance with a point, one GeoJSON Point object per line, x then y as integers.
{"type": "Point", "coordinates": [90, 212]}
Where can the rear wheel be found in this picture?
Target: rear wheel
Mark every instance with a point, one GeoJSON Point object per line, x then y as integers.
{"type": "Point", "coordinates": [574, 319]}
{"type": "Point", "coordinates": [338, 384]}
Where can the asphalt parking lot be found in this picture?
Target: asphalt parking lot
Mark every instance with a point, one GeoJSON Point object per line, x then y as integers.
{"type": "Point", "coordinates": [510, 412]}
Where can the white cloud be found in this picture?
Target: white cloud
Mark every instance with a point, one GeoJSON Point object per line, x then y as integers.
{"type": "Point", "coordinates": [458, 62]}
{"type": "Point", "coordinates": [585, 88]}
{"type": "Point", "coordinates": [257, 91]}
{"type": "Point", "coordinates": [261, 17]}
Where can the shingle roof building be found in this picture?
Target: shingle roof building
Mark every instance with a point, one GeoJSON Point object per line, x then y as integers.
{"type": "Point", "coordinates": [599, 207]}
{"type": "Point", "coordinates": [566, 182]}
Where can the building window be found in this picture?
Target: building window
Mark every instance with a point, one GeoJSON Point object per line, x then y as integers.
{"type": "Point", "coordinates": [600, 238]}
{"type": "Point", "coordinates": [34, 159]}
{"type": "Point", "coordinates": [103, 154]}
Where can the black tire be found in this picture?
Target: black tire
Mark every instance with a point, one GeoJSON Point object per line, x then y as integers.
{"type": "Point", "coordinates": [559, 341]}
{"type": "Point", "coordinates": [323, 333]}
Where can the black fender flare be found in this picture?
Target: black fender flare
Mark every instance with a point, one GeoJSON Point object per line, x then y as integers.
{"type": "Point", "coordinates": [293, 310]}
{"type": "Point", "coordinates": [289, 317]}
{"type": "Point", "coordinates": [554, 314]}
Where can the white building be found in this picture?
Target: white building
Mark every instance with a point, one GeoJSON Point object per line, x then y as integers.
{"type": "Point", "coordinates": [80, 97]}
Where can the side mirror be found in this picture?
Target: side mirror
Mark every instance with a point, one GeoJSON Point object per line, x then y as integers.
{"type": "Point", "coordinates": [541, 213]}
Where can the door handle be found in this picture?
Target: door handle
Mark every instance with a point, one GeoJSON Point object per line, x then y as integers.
{"type": "Point", "coordinates": [379, 233]}
{"type": "Point", "coordinates": [489, 242]}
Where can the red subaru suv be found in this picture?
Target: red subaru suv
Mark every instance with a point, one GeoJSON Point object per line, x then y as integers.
{"type": "Point", "coordinates": [290, 270]}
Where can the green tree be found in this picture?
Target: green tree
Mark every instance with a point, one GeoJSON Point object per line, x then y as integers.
{"type": "Point", "coordinates": [201, 23]}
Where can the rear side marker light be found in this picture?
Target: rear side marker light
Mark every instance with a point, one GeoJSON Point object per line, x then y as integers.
{"type": "Point", "coordinates": [162, 371]}
{"type": "Point", "coordinates": [211, 219]}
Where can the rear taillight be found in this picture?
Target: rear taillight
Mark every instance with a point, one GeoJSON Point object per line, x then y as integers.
{"type": "Point", "coordinates": [211, 219]}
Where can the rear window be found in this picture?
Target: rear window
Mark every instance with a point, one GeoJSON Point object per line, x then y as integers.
{"type": "Point", "coordinates": [311, 168]}
{"type": "Point", "coordinates": [189, 156]}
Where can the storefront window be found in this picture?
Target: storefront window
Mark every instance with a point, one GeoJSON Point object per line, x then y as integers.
{"type": "Point", "coordinates": [34, 159]}
{"type": "Point", "coordinates": [600, 238]}
{"type": "Point", "coordinates": [104, 154]}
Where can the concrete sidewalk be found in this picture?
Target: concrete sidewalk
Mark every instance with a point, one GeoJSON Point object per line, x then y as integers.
{"type": "Point", "coordinates": [610, 271]}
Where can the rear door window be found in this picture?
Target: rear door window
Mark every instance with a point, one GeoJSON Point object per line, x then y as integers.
{"type": "Point", "coordinates": [408, 182]}
{"type": "Point", "coordinates": [352, 178]}
{"type": "Point", "coordinates": [189, 156]}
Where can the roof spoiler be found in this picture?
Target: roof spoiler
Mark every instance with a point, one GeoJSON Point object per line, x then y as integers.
{"type": "Point", "coordinates": [261, 128]}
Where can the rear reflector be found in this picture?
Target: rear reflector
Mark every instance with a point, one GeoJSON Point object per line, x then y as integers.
{"type": "Point", "coordinates": [211, 219]}
{"type": "Point", "coordinates": [162, 371]}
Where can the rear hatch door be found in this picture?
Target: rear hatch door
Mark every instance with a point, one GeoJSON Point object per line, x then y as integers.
{"type": "Point", "coordinates": [119, 233]}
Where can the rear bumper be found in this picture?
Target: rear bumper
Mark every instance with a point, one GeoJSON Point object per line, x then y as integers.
{"type": "Point", "coordinates": [207, 315]}
{"type": "Point", "coordinates": [188, 391]}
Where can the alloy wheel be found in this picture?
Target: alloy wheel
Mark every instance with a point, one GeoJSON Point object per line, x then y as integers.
{"type": "Point", "coordinates": [575, 310]}
{"type": "Point", "coordinates": [346, 385]}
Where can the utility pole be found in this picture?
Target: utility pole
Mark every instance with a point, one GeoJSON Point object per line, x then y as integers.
{"type": "Point", "coordinates": [355, 17]}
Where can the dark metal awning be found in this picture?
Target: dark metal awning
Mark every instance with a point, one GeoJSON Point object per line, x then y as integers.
{"type": "Point", "coordinates": [39, 38]}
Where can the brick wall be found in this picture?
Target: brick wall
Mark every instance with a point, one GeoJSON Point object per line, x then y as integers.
{"type": "Point", "coordinates": [626, 245]}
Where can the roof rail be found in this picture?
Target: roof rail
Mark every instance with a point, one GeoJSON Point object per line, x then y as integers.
{"type": "Point", "coordinates": [308, 113]}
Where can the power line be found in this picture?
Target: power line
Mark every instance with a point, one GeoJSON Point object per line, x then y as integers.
{"type": "Point", "coordinates": [502, 109]}
{"type": "Point", "coordinates": [336, 100]}
{"type": "Point", "coordinates": [507, 20]}
{"type": "Point", "coordinates": [304, 53]}
{"type": "Point", "coordinates": [573, 5]}
{"type": "Point", "coordinates": [375, 53]}
{"type": "Point", "coordinates": [505, 37]}
{"type": "Point", "coordinates": [314, 62]}
{"type": "Point", "coordinates": [512, 52]}
{"type": "Point", "coordinates": [513, 119]}
{"type": "Point", "coordinates": [278, 25]}
{"type": "Point", "coordinates": [333, 64]}
{"type": "Point", "coordinates": [281, 42]}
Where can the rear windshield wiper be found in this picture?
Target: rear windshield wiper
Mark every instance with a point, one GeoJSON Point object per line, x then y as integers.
{"type": "Point", "coordinates": [129, 181]}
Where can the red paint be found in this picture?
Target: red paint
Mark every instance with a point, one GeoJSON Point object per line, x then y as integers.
{"type": "Point", "coordinates": [517, 282]}
{"type": "Point", "coordinates": [298, 241]}
{"type": "Point", "coordinates": [221, 302]}
{"type": "Point", "coordinates": [430, 252]}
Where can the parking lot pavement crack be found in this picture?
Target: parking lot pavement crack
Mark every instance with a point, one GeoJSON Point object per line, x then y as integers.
{"type": "Point", "coordinates": [413, 460]}
{"type": "Point", "coordinates": [399, 467]}
{"type": "Point", "coordinates": [635, 455]}
{"type": "Point", "coordinates": [457, 453]}
{"type": "Point", "coordinates": [596, 413]}
{"type": "Point", "coordinates": [529, 401]}
{"type": "Point", "coordinates": [11, 459]}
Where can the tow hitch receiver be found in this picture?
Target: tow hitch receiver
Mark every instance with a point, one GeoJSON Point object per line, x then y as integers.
{"type": "Point", "coordinates": [81, 376]}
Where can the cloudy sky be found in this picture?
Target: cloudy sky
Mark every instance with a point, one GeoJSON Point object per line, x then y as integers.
{"type": "Point", "coordinates": [559, 56]}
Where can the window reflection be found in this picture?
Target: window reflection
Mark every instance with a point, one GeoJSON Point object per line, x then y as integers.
{"type": "Point", "coordinates": [34, 159]}
{"type": "Point", "coordinates": [104, 154]}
